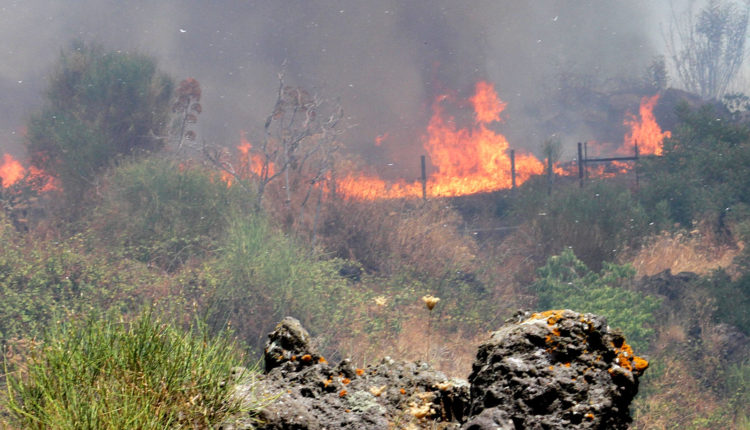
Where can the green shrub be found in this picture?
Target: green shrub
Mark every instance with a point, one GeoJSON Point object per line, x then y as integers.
{"type": "Point", "coordinates": [41, 280]}
{"type": "Point", "coordinates": [703, 169]}
{"type": "Point", "coordinates": [566, 283]}
{"type": "Point", "coordinates": [597, 221]}
{"type": "Point", "coordinates": [732, 298]}
{"type": "Point", "coordinates": [102, 374]}
{"type": "Point", "coordinates": [260, 276]}
{"type": "Point", "coordinates": [157, 211]}
{"type": "Point", "coordinates": [100, 105]}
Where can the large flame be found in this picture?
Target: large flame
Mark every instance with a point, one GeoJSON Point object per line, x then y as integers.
{"type": "Point", "coordinates": [471, 159]}
{"type": "Point", "coordinates": [644, 131]}
{"type": "Point", "coordinates": [11, 171]}
{"type": "Point", "coordinates": [467, 160]}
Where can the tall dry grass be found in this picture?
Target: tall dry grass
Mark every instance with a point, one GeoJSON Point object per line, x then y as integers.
{"type": "Point", "coordinates": [681, 251]}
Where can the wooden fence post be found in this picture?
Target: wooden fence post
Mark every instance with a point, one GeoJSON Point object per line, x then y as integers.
{"type": "Point", "coordinates": [513, 169]}
{"type": "Point", "coordinates": [424, 177]}
{"type": "Point", "coordinates": [580, 163]}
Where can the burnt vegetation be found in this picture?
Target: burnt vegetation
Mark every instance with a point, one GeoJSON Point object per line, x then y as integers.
{"type": "Point", "coordinates": [147, 214]}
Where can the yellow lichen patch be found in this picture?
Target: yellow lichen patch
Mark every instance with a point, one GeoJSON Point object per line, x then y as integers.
{"type": "Point", "coordinates": [420, 411]}
{"type": "Point", "coordinates": [443, 386]}
{"type": "Point", "coordinates": [327, 382]}
{"type": "Point", "coordinates": [377, 391]}
{"type": "Point", "coordinates": [426, 396]}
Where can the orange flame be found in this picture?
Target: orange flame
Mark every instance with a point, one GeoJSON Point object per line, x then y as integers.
{"type": "Point", "coordinates": [250, 163]}
{"type": "Point", "coordinates": [646, 132]}
{"type": "Point", "coordinates": [467, 160]}
{"type": "Point", "coordinates": [11, 171]}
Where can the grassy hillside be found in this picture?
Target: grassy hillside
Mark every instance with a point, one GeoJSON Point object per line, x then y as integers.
{"type": "Point", "coordinates": [188, 238]}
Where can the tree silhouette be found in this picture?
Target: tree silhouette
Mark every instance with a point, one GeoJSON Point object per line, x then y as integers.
{"type": "Point", "coordinates": [708, 49]}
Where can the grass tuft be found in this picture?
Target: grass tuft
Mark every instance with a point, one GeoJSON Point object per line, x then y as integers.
{"type": "Point", "coordinates": [100, 373]}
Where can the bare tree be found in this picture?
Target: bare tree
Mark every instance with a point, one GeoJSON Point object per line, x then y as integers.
{"type": "Point", "coordinates": [708, 48]}
{"type": "Point", "coordinates": [300, 140]}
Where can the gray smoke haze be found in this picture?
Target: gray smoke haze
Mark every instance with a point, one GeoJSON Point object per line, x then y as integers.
{"type": "Point", "coordinates": [384, 60]}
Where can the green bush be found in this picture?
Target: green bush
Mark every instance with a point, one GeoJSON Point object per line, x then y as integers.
{"type": "Point", "coordinates": [157, 211]}
{"type": "Point", "coordinates": [566, 283]}
{"type": "Point", "coordinates": [100, 105]}
{"type": "Point", "coordinates": [703, 169]}
{"type": "Point", "coordinates": [103, 374]}
{"type": "Point", "coordinates": [597, 221]}
{"type": "Point", "coordinates": [41, 280]}
{"type": "Point", "coordinates": [260, 276]}
{"type": "Point", "coordinates": [732, 298]}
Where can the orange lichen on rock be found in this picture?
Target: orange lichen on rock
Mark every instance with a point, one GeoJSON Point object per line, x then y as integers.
{"type": "Point", "coordinates": [359, 372]}
{"type": "Point", "coordinates": [640, 364]}
{"type": "Point", "coordinates": [306, 358]}
{"type": "Point", "coordinates": [342, 393]}
{"type": "Point", "coordinates": [552, 316]}
{"type": "Point", "coordinates": [628, 360]}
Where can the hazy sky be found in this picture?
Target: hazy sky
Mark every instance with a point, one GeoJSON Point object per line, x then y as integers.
{"type": "Point", "coordinates": [384, 60]}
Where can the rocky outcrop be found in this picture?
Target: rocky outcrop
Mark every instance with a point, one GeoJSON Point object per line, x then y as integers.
{"type": "Point", "coordinates": [549, 370]}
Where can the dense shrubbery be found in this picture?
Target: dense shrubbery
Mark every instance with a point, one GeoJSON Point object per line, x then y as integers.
{"type": "Point", "coordinates": [161, 212]}
{"type": "Point", "coordinates": [41, 281]}
{"type": "Point", "coordinates": [100, 105]}
{"type": "Point", "coordinates": [566, 283]}
{"type": "Point", "coordinates": [597, 221]}
{"type": "Point", "coordinates": [703, 170]}
{"type": "Point", "coordinates": [99, 373]}
{"type": "Point", "coordinates": [261, 276]}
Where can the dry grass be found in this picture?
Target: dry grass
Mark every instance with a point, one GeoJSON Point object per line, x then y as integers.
{"type": "Point", "coordinates": [450, 352]}
{"type": "Point", "coordinates": [390, 234]}
{"type": "Point", "coordinates": [678, 400]}
{"type": "Point", "coordinates": [695, 252]}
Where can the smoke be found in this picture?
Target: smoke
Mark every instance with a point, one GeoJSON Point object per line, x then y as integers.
{"type": "Point", "coordinates": [384, 60]}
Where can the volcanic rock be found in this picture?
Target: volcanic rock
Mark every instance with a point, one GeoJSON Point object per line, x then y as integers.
{"type": "Point", "coordinates": [556, 369]}
{"type": "Point", "coordinates": [549, 370]}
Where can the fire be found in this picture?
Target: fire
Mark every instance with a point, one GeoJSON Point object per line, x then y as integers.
{"type": "Point", "coordinates": [646, 132]}
{"type": "Point", "coordinates": [474, 158]}
{"type": "Point", "coordinates": [11, 171]}
{"type": "Point", "coordinates": [467, 160]}
{"type": "Point", "coordinates": [250, 163]}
